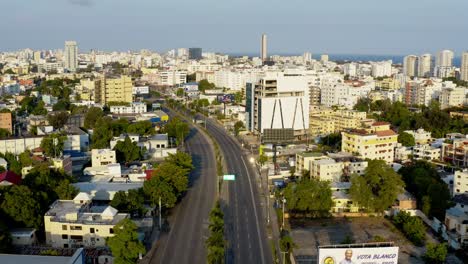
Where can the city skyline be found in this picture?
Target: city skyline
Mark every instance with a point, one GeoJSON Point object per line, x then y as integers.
{"type": "Point", "coordinates": [320, 28]}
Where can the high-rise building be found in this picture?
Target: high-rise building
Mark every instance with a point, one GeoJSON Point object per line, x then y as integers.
{"type": "Point", "coordinates": [71, 56]}
{"type": "Point", "coordinates": [424, 65]}
{"type": "Point", "coordinates": [452, 97]}
{"type": "Point", "coordinates": [278, 100]}
{"type": "Point", "coordinates": [410, 63]}
{"type": "Point", "coordinates": [264, 48]}
{"type": "Point", "coordinates": [445, 58]}
{"type": "Point", "coordinates": [37, 56]}
{"type": "Point", "coordinates": [307, 56]}
{"type": "Point", "coordinates": [464, 67]}
{"type": "Point", "coordinates": [195, 53]}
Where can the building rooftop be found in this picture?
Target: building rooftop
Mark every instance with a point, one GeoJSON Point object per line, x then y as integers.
{"type": "Point", "coordinates": [37, 259]}
{"type": "Point", "coordinates": [159, 137]}
{"type": "Point", "coordinates": [461, 199]}
{"type": "Point", "coordinates": [310, 154]}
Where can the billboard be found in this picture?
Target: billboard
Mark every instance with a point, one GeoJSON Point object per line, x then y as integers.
{"type": "Point", "coordinates": [361, 255]}
{"type": "Point", "coordinates": [278, 135]}
{"type": "Point", "coordinates": [226, 98]}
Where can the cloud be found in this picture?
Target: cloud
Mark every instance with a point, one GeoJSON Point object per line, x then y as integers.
{"type": "Point", "coordinates": [81, 2]}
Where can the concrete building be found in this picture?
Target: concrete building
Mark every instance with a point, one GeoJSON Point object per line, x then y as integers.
{"type": "Point", "coordinates": [421, 136]}
{"type": "Point", "coordinates": [460, 182]}
{"type": "Point", "coordinates": [426, 152]}
{"type": "Point", "coordinates": [326, 170]}
{"type": "Point", "coordinates": [376, 142]}
{"type": "Point", "coordinates": [71, 56]}
{"type": "Point", "coordinates": [134, 108]}
{"type": "Point", "coordinates": [114, 89]}
{"type": "Point", "coordinates": [324, 121]}
{"type": "Point", "coordinates": [304, 159]}
{"type": "Point", "coordinates": [424, 65]}
{"type": "Point", "coordinates": [6, 122]}
{"type": "Point", "coordinates": [324, 58]}
{"type": "Point", "coordinates": [263, 54]}
{"type": "Point", "coordinates": [350, 69]}
{"type": "Point", "coordinates": [23, 237]}
{"type": "Point", "coordinates": [195, 53]}
{"type": "Point", "coordinates": [456, 219]}
{"type": "Point", "coordinates": [382, 69]}
{"type": "Point", "coordinates": [464, 67]}
{"type": "Point", "coordinates": [278, 100]}
{"type": "Point", "coordinates": [452, 97]}
{"type": "Point", "coordinates": [456, 153]}
{"type": "Point", "coordinates": [445, 58]}
{"type": "Point", "coordinates": [102, 157]}
{"type": "Point", "coordinates": [421, 92]}
{"type": "Point", "coordinates": [172, 78]}
{"type": "Point", "coordinates": [87, 88]}
{"type": "Point", "coordinates": [78, 223]}
{"type": "Point", "coordinates": [410, 65]}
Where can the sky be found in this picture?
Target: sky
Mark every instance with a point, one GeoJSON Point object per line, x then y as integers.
{"type": "Point", "coordinates": [396, 27]}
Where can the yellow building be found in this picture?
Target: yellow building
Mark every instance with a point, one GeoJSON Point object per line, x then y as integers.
{"type": "Point", "coordinates": [325, 121]}
{"type": "Point", "coordinates": [376, 142]}
{"type": "Point", "coordinates": [114, 89]}
{"type": "Point", "coordinates": [76, 223]}
{"type": "Point", "coordinates": [304, 159]}
{"type": "Point", "coordinates": [388, 84]}
{"type": "Point", "coordinates": [86, 89]}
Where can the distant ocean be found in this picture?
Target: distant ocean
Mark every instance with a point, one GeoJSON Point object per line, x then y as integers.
{"type": "Point", "coordinates": [396, 59]}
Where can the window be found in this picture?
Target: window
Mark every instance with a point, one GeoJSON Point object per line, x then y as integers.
{"type": "Point", "coordinates": [111, 231]}
{"type": "Point", "coordinates": [75, 228]}
{"type": "Point", "coordinates": [91, 230]}
{"type": "Point", "coordinates": [64, 227]}
{"type": "Point", "coordinates": [64, 236]}
{"type": "Point", "coordinates": [65, 245]}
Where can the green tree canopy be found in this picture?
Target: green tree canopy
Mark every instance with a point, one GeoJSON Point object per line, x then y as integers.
{"type": "Point", "coordinates": [237, 127]}
{"type": "Point", "coordinates": [141, 128]}
{"type": "Point", "coordinates": [406, 139]}
{"type": "Point", "coordinates": [65, 190]}
{"type": "Point", "coordinates": [178, 129]}
{"type": "Point", "coordinates": [4, 133]}
{"type": "Point", "coordinates": [378, 188]}
{"type": "Point", "coordinates": [128, 151]}
{"type": "Point", "coordinates": [436, 253]}
{"type": "Point", "coordinates": [215, 243]}
{"type": "Point", "coordinates": [181, 159]}
{"type": "Point", "coordinates": [53, 144]}
{"type": "Point", "coordinates": [412, 226]}
{"type": "Point", "coordinates": [58, 119]}
{"type": "Point", "coordinates": [101, 135]}
{"type": "Point", "coordinates": [20, 205]}
{"type": "Point", "coordinates": [158, 188]}
{"type": "Point", "coordinates": [92, 116]}
{"type": "Point", "coordinates": [124, 245]}
{"type": "Point", "coordinates": [309, 196]}
{"type": "Point", "coordinates": [176, 176]}
{"type": "Point", "coordinates": [204, 85]}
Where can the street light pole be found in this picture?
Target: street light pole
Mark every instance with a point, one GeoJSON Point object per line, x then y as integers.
{"type": "Point", "coordinates": [282, 224]}
{"type": "Point", "coordinates": [159, 212]}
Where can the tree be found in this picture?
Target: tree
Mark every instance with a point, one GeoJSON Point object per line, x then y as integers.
{"type": "Point", "coordinates": [262, 159]}
{"type": "Point", "coordinates": [435, 253]}
{"type": "Point", "coordinates": [215, 242]}
{"type": "Point", "coordinates": [53, 144]}
{"type": "Point", "coordinates": [128, 151]}
{"type": "Point", "coordinates": [19, 204]}
{"type": "Point", "coordinates": [204, 85]}
{"type": "Point", "coordinates": [181, 159]}
{"type": "Point", "coordinates": [25, 158]}
{"type": "Point", "coordinates": [92, 116]}
{"type": "Point", "coordinates": [141, 128]}
{"type": "Point", "coordinates": [101, 136]}
{"type": "Point", "coordinates": [287, 245]}
{"type": "Point", "coordinates": [180, 92]}
{"type": "Point", "coordinates": [378, 188]}
{"type": "Point", "coordinates": [119, 201]}
{"type": "Point", "coordinates": [312, 197]}
{"type": "Point", "coordinates": [158, 188]}
{"type": "Point", "coordinates": [333, 141]}
{"type": "Point", "coordinates": [61, 105]}
{"type": "Point", "coordinates": [58, 120]}
{"type": "Point", "coordinates": [178, 129]}
{"type": "Point", "coordinates": [406, 139]}
{"type": "Point", "coordinates": [176, 176]}
{"type": "Point", "coordinates": [4, 133]}
{"type": "Point", "coordinates": [237, 127]}
{"type": "Point", "coordinates": [124, 245]}
{"type": "Point", "coordinates": [412, 227]}
{"type": "Point", "coordinates": [5, 241]}
{"type": "Point", "coordinates": [65, 190]}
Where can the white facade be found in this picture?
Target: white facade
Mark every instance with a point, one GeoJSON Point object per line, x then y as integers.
{"type": "Point", "coordinates": [134, 108]}
{"type": "Point", "coordinates": [452, 97]}
{"type": "Point", "coordinates": [424, 65]}
{"type": "Point", "coordinates": [464, 67]}
{"type": "Point", "coordinates": [410, 65]}
{"type": "Point", "coordinates": [382, 68]}
{"type": "Point", "coordinates": [350, 69]}
{"type": "Point", "coordinates": [171, 78]}
{"type": "Point", "coordinates": [71, 56]}
{"type": "Point", "coordinates": [460, 182]}
{"type": "Point", "coordinates": [445, 58]}
{"type": "Point", "coordinates": [140, 90]}
{"type": "Point", "coordinates": [102, 157]}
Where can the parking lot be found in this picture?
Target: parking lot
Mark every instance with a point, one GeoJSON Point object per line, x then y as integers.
{"type": "Point", "coordinates": [313, 233]}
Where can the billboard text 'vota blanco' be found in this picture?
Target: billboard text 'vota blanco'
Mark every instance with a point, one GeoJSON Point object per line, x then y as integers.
{"type": "Point", "coordinates": [361, 255]}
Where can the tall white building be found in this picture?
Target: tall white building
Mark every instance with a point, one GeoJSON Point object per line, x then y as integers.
{"type": "Point", "coordinates": [278, 100]}
{"type": "Point", "coordinates": [71, 55]}
{"type": "Point", "coordinates": [452, 97]}
{"type": "Point", "coordinates": [445, 58]}
{"type": "Point", "coordinates": [410, 64]}
{"type": "Point", "coordinates": [264, 48]}
{"type": "Point", "coordinates": [350, 69]}
{"type": "Point", "coordinates": [464, 66]}
{"type": "Point", "coordinates": [307, 56]}
{"type": "Point", "coordinates": [382, 68]}
{"type": "Point", "coordinates": [424, 65]}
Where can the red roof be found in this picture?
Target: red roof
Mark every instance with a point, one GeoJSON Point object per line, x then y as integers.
{"type": "Point", "coordinates": [148, 173]}
{"type": "Point", "coordinates": [11, 177]}
{"type": "Point", "coordinates": [386, 133]}
{"type": "Point", "coordinates": [380, 123]}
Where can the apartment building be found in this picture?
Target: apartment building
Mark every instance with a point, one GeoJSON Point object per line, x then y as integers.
{"type": "Point", "coordinates": [134, 108]}
{"type": "Point", "coordinates": [324, 121]}
{"type": "Point", "coordinates": [102, 157]}
{"type": "Point", "coordinates": [6, 122]}
{"type": "Point", "coordinates": [388, 84]}
{"type": "Point", "coordinates": [86, 89]}
{"type": "Point", "coordinates": [421, 136]}
{"type": "Point", "coordinates": [460, 182]}
{"type": "Point", "coordinates": [304, 159]}
{"type": "Point", "coordinates": [456, 153]}
{"type": "Point", "coordinates": [79, 223]}
{"type": "Point", "coordinates": [421, 92]}
{"type": "Point", "coordinates": [114, 89]}
{"type": "Point", "coordinates": [453, 97]}
{"type": "Point", "coordinates": [426, 152]}
{"type": "Point", "coordinates": [376, 142]}
{"type": "Point", "coordinates": [456, 219]}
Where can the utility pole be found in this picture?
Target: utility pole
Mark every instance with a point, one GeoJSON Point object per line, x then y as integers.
{"type": "Point", "coordinates": [284, 203]}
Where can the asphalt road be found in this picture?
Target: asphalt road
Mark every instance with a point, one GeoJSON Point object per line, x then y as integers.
{"type": "Point", "coordinates": [185, 242]}
{"type": "Point", "coordinates": [244, 218]}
